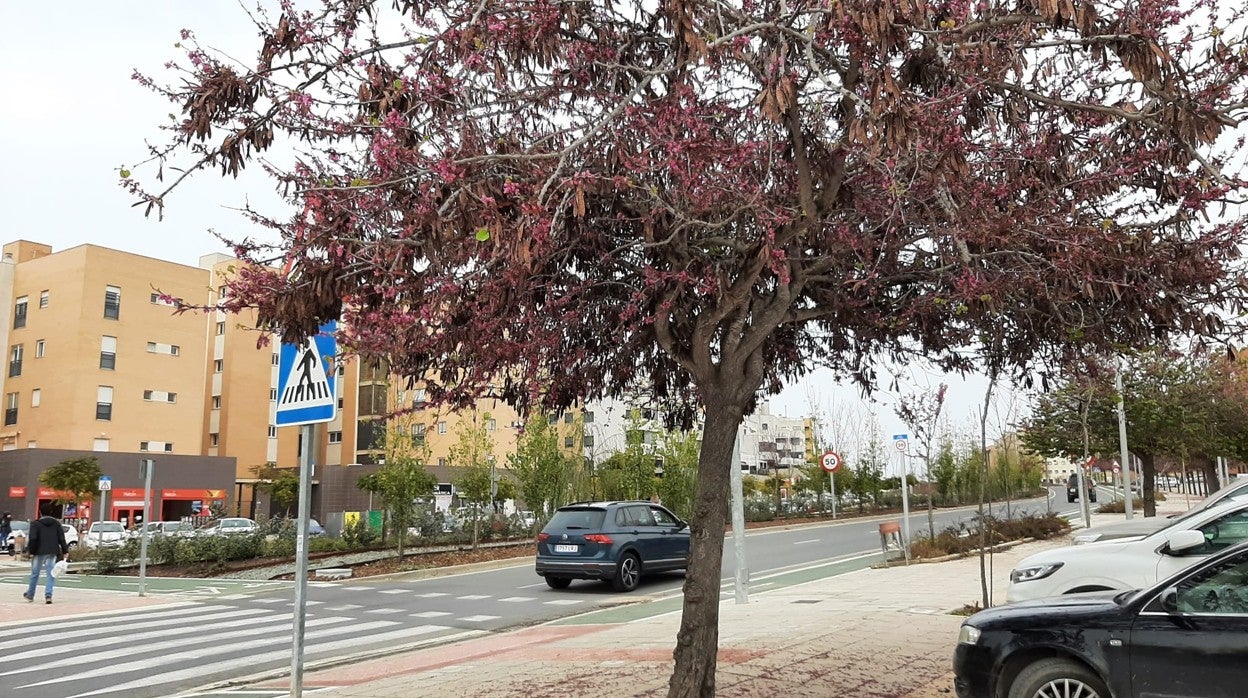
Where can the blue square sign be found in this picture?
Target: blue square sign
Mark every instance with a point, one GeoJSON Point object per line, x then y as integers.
{"type": "Point", "coordinates": [305, 380]}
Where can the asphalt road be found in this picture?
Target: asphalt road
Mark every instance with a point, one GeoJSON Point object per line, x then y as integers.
{"type": "Point", "coordinates": [244, 629]}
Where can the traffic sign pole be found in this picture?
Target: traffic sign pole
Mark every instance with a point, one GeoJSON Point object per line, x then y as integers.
{"type": "Point", "coordinates": [301, 562]}
{"type": "Point", "coordinates": [105, 484]}
{"type": "Point", "coordinates": [146, 466]}
{"type": "Point", "coordinates": [901, 442]}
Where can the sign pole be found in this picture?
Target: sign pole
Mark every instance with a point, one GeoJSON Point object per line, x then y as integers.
{"type": "Point", "coordinates": [832, 484]}
{"type": "Point", "coordinates": [146, 465]}
{"type": "Point", "coordinates": [742, 578]}
{"type": "Point", "coordinates": [901, 442]}
{"type": "Point", "coordinates": [301, 561]}
{"type": "Point", "coordinates": [105, 484]}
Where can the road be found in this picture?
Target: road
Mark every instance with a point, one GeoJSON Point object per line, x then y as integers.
{"type": "Point", "coordinates": [245, 629]}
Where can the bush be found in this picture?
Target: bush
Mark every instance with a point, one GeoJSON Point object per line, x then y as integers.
{"type": "Point", "coordinates": [358, 534]}
{"type": "Point", "coordinates": [965, 537]}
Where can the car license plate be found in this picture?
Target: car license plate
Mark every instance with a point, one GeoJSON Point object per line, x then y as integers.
{"type": "Point", "coordinates": [565, 548]}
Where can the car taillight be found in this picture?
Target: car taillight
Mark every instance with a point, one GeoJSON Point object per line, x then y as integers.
{"type": "Point", "coordinates": [543, 536]}
{"type": "Point", "coordinates": [598, 538]}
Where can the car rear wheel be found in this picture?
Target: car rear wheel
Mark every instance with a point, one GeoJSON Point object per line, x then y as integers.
{"type": "Point", "coordinates": [627, 573]}
{"type": "Point", "coordinates": [1057, 678]}
{"type": "Point", "coordinates": [558, 582]}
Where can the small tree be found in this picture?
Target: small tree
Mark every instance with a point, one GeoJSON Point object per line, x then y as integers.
{"type": "Point", "coordinates": [281, 484]}
{"type": "Point", "coordinates": [679, 451]}
{"type": "Point", "coordinates": [473, 451]}
{"type": "Point", "coordinates": [541, 469]}
{"type": "Point", "coordinates": [400, 483]}
{"type": "Point", "coordinates": [73, 480]}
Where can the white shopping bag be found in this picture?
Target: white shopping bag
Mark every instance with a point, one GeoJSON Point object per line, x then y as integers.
{"type": "Point", "coordinates": [59, 568]}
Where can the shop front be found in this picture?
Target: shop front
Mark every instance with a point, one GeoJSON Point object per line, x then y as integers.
{"type": "Point", "coordinates": [127, 506]}
{"type": "Point", "coordinates": [189, 504]}
{"type": "Point", "coordinates": [62, 506]}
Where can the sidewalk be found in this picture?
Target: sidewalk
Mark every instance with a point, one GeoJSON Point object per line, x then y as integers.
{"type": "Point", "coordinates": [874, 632]}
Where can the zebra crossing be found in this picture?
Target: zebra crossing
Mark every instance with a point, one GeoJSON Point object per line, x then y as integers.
{"type": "Point", "coordinates": [172, 648]}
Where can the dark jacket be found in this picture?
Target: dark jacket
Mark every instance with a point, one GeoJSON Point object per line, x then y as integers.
{"type": "Point", "coordinates": [6, 527]}
{"type": "Point", "coordinates": [47, 537]}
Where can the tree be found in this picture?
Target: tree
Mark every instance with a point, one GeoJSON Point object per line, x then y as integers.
{"type": "Point", "coordinates": [473, 451]}
{"type": "Point", "coordinates": [920, 413]}
{"type": "Point", "coordinates": [401, 482]}
{"type": "Point", "coordinates": [73, 480]}
{"type": "Point", "coordinates": [679, 453]}
{"type": "Point", "coordinates": [281, 484]}
{"type": "Point", "coordinates": [569, 198]}
{"type": "Point", "coordinates": [541, 469]}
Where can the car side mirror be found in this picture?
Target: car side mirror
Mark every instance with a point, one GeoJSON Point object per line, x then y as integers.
{"type": "Point", "coordinates": [1184, 541]}
{"type": "Point", "coordinates": [1169, 600]}
{"type": "Point", "coordinates": [682, 525]}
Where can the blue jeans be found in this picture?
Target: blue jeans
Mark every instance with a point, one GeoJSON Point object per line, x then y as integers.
{"type": "Point", "coordinates": [40, 563]}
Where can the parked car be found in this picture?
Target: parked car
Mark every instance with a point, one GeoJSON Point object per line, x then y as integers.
{"type": "Point", "coordinates": [616, 542]}
{"type": "Point", "coordinates": [1184, 636]}
{"type": "Point", "coordinates": [23, 527]}
{"type": "Point", "coordinates": [1142, 526]}
{"type": "Point", "coordinates": [106, 533]}
{"type": "Point", "coordinates": [231, 526]}
{"type": "Point", "coordinates": [1072, 488]}
{"type": "Point", "coordinates": [1129, 563]}
{"type": "Point", "coordinates": [315, 529]}
{"type": "Point", "coordinates": [180, 529]}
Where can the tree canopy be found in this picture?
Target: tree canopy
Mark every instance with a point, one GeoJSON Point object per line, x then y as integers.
{"type": "Point", "coordinates": [77, 477]}
{"type": "Point", "coordinates": [555, 201]}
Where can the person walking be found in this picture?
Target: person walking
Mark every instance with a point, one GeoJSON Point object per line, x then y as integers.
{"type": "Point", "coordinates": [6, 529]}
{"type": "Point", "coordinates": [46, 546]}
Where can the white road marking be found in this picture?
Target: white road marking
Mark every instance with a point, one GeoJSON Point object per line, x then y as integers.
{"type": "Point", "coordinates": [563, 602]}
{"type": "Point", "coordinates": [477, 619]}
{"type": "Point", "coordinates": [432, 595]}
{"type": "Point", "coordinates": [473, 597]}
{"type": "Point", "coordinates": [518, 599]}
{"type": "Point", "coordinates": [384, 610]}
{"type": "Point", "coordinates": [804, 542]}
{"type": "Point", "coordinates": [430, 614]}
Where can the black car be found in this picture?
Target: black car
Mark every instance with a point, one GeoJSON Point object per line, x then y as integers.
{"type": "Point", "coordinates": [1072, 489]}
{"type": "Point", "coordinates": [1187, 636]}
{"type": "Point", "coordinates": [611, 541]}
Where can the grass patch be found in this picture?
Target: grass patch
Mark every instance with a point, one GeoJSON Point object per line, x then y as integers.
{"type": "Point", "coordinates": [967, 537]}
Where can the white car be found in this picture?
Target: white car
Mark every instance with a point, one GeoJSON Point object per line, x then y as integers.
{"type": "Point", "coordinates": [231, 526]}
{"type": "Point", "coordinates": [1130, 563]}
{"type": "Point", "coordinates": [23, 527]}
{"type": "Point", "coordinates": [1141, 526]}
{"type": "Point", "coordinates": [106, 533]}
{"type": "Point", "coordinates": [179, 529]}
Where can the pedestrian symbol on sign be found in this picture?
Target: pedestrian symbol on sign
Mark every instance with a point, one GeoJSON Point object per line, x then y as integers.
{"type": "Point", "coordinates": [307, 385]}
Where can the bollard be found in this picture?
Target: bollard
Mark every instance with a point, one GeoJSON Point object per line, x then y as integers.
{"type": "Point", "coordinates": [890, 537]}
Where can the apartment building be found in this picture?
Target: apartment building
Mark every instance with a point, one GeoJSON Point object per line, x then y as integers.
{"type": "Point", "coordinates": [99, 364]}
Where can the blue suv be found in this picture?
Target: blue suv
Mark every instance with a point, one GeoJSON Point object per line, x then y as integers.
{"type": "Point", "coordinates": [611, 541]}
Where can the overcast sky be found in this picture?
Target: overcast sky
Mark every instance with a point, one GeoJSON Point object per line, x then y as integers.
{"type": "Point", "coordinates": [71, 117]}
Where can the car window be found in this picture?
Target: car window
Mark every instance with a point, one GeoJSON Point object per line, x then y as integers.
{"type": "Point", "coordinates": [639, 516]}
{"type": "Point", "coordinates": [1226, 531]}
{"type": "Point", "coordinates": [578, 518]}
{"type": "Point", "coordinates": [1220, 589]}
{"type": "Point", "coordinates": [107, 527]}
{"type": "Point", "coordinates": [662, 517]}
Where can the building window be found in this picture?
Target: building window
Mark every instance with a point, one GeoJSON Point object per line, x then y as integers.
{"type": "Point", "coordinates": [272, 431]}
{"type": "Point", "coordinates": [19, 313]}
{"type": "Point", "coordinates": [418, 397]}
{"type": "Point", "coordinates": [143, 445]}
{"type": "Point", "coordinates": [339, 403]}
{"type": "Point", "coordinates": [567, 418]}
{"type": "Point", "coordinates": [335, 437]}
{"type": "Point", "coordinates": [272, 394]}
{"type": "Point", "coordinates": [589, 417]}
{"type": "Point", "coordinates": [39, 347]}
{"type": "Point", "coordinates": [99, 445]}
{"type": "Point", "coordinates": [36, 396]}
{"type": "Point", "coordinates": [221, 292]}
{"type": "Point", "coordinates": [216, 402]}
{"type": "Point", "coordinates": [441, 462]}
{"type": "Point", "coordinates": [554, 419]}
{"type": "Point", "coordinates": [15, 360]}
{"type": "Point", "coordinates": [441, 427]}
{"type": "Point", "coordinates": [108, 353]}
{"type": "Point", "coordinates": [104, 403]}
{"type": "Point", "coordinates": [171, 397]}
{"type": "Point", "coordinates": [277, 359]}
{"type": "Point", "coordinates": [112, 302]}
{"type": "Point", "coordinates": [43, 299]}
{"type": "Point", "coordinates": [174, 350]}
{"type": "Point", "coordinates": [569, 443]}
{"type": "Point", "coordinates": [220, 328]}
{"type": "Point", "coordinates": [159, 348]}
{"type": "Point", "coordinates": [10, 409]}
{"type": "Point", "coordinates": [218, 365]}
{"type": "Point", "coordinates": [168, 447]}
{"type": "Point", "coordinates": [588, 440]}
{"type": "Point", "coordinates": [214, 440]}
{"type": "Point", "coordinates": [491, 424]}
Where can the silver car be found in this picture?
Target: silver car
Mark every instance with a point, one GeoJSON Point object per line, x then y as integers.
{"type": "Point", "coordinates": [1140, 526]}
{"type": "Point", "coordinates": [231, 526]}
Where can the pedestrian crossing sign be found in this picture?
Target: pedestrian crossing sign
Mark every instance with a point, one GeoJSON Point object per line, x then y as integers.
{"type": "Point", "coordinates": [305, 380]}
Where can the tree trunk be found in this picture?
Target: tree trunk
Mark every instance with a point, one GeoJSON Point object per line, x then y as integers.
{"type": "Point", "coordinates": [1148, 467]}
{"type": "Point", "coordinates": [697, 642]}
{"type": "Point", "coordinates": [1209, 470]}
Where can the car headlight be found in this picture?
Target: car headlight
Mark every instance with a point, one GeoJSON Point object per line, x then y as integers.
{"type": "Point", "coordinates": [1030, 574]}
{"type": "Point", "coordinates": [968, 635]}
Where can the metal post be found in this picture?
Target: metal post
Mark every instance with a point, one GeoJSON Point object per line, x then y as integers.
{"type": "Point", "coordinates": [905, 503]}
{"type": "Point", "coordinates": [742, 579]}
{"type": "Point", "coordinates": [1123, 456]}
{"type": "Point", "coordinates": [301, 561]}
{"type": "Point", "coordinates": [99, 530]}
{"type": "Point", "coordinates": [832, 481]}
{"type": "Point", "coordinates": [146, 465]}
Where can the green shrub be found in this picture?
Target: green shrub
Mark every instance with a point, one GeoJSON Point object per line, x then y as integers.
{"type": "Point", "coordinates": [965, 537]}
{"type": "Point", "coordinates": [358, 534]}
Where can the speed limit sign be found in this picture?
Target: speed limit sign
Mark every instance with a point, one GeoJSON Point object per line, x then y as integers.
{"type": "Point", "coordinates": [830, 461]}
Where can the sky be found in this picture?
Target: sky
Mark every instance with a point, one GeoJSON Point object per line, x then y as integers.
{"type": "Point", "coordinates": [71, 117]}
